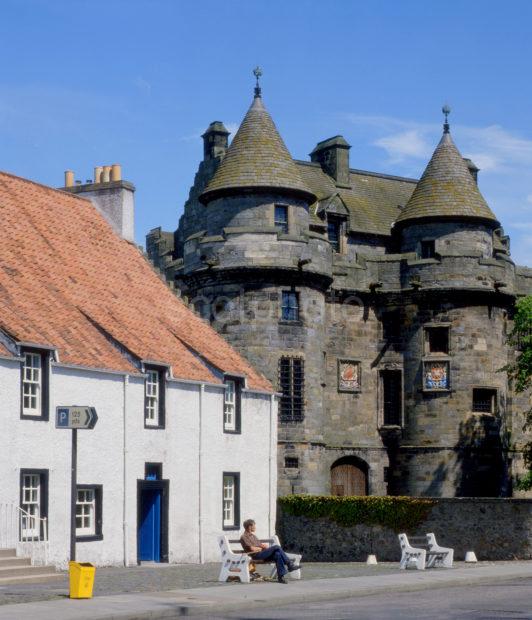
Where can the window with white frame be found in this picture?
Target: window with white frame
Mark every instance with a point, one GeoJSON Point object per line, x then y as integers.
{"type": "Point", "coordinates": [32, 384]}
{"type": "Point", "coordinates": [89, 512]}
{"type": "Point", "coordinates": [231, 501]}
{"type": "Point", "coordinates": [86, 512]}
{"type": "Point", "coordinates": [31, 505]}
{"type": "Point", "coordinates": [154, 398]}
{"type": "Point", "coordinates": [230, 406]}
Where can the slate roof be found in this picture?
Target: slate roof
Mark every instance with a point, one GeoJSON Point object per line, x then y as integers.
{"type": "Point", "coordinates": [446, 189]}
{"type": "Point", "coordinates": [257, 158]}
{"type": "Point", "coordinates": [68, 281]}
{"type": "Point", "coordinates": [373, 201]}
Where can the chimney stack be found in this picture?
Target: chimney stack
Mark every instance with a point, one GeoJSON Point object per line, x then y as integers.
{"type": "Point", "coordinates": [106, 174]}
{"type": "Point", "coordinates": [333, 157]}
{"type": "Point", "coordinates": [113, 197]}
{"type": "Point", "coordinates": [69, 178]}
{"type": "Point", "coordinates": [116, 172]}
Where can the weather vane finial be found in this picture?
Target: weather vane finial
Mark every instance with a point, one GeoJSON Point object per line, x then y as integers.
{"type": "Point", "coordinates": [446, 111]}
{"type": "Point", "coordinates": [257, 72]}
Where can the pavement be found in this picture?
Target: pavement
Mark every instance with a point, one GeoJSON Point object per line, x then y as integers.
{"type": "Point", "coordinates": [200, 594]}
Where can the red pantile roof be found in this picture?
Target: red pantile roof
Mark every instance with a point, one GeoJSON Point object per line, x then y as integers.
{"type": "Point", "coordinates": [68, 281]}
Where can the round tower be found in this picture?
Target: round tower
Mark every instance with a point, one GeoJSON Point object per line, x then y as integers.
{"type": "Point", "coordinates": [455, 304]}
{"type": "Point", "coordinates": [260, 277]}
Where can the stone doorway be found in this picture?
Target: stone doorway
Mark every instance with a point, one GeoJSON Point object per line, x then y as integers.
{"type": "Point", "coordinates": [349, 477]}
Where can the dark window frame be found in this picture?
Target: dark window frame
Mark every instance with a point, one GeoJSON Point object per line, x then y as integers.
{"type": "Point", "coordinates": [490, 393]}
{"type": "Point", "coordinates": [427, 248]}
{"type": "Point", "coordinates": [432, 334]}
{"type": "Point", "coordinates": [236, 512]}
{"type": "Point", "coordinates": [161, 422]}
{"type": "Point", "coordinates": [292, 401]}
{"type": "Point", "coordinates": [397, 418]}
{"type": "Point", "coordinates": [291, 462]}
{"type": "Point", "coordinates": [238, 406]}
{"type": "Point", "coordinates": [98, 512]}
{"type": "Point", "coordinates": [287, 309]}
{"type": "Point", "coordinates": [45, 355]}
{"type": "Point", "coordinates": [335, 224]}
{"type": "Point", "coordinates": [44, 475]}
{"type": "Point", "coordinates": [283, 223]}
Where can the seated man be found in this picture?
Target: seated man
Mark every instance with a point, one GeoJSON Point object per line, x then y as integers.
{"type": "Point", "coordinates": [261, 551]}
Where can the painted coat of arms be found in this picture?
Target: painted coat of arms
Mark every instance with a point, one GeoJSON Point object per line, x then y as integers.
{"type": "Point", "coordinates": [436, 376]}
{"type": "Point", "coordinates": [348, 376]}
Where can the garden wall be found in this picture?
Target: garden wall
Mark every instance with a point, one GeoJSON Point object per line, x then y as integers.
{"type": "Point", "coordinates": [496, 529]}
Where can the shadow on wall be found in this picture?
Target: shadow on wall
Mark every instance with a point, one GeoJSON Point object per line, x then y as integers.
{"type": "Point", "coordinates": [482, 466]}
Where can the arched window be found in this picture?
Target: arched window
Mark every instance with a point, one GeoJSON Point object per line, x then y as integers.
{"type": "Point", "coordinates": [349, 476]}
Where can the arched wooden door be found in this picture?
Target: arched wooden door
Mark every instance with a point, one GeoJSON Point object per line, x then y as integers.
{"type": "Point", "coordinates": [348, 479]}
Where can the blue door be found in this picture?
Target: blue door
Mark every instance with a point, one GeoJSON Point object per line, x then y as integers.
{"type": "Point", "coordinates": [150, 525]}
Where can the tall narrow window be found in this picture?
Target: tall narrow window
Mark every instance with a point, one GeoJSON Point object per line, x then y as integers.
{"type": "Point", "coordinates": [231, 500]}
{"type": "Point", "coordinates": [428, 248]}
{"type": "Point", "coordinates": [31, 505]}
{"type": "Point", "coordinates": [34, 385]}
{"type": "Point", "coordinates": [230, 406]}
{"type": "Point", "coordinates": [281, 218]}
{"type": "Point", "coordinates": [334, 227]}
{"type": "Point", "coordinates": [154, 398]}
{"type": "Point", "coordinates": [291, 385]}
{"type": "Point", "coordinates": [290, 306]}
{"type": "Point", "coordinates": [33, 502]}
{"type": "Point", "coordinates": [392, 397]}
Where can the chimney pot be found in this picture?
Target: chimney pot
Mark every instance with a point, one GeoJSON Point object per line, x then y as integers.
{"type": "Point", "coordinates": [69, 178]}
{"type": "Point", "coordinates": [106, 174]}
{"type": "Point", "coordinates": [116, 172]}
{"type": "Point", "coordinates": [98, 174]}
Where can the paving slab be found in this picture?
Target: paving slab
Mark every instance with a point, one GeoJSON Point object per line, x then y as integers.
{"type": "Point", "coordinates": [212, 601]}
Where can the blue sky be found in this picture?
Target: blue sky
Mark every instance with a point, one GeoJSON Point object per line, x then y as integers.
{"type": "Point", "coordinates": [86, 83]}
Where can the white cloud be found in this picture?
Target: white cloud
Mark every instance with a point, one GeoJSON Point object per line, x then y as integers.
{"type": "Point", "coordinates": [503, 156]}
{"type": "Point", "coordinates": [400, 146]}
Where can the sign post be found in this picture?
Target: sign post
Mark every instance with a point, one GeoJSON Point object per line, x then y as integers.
{"type": "Point", "coordinates": [74, 418]}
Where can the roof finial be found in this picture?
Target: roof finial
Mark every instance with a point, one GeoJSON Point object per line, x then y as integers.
{"type": "Point", "coordinates": [257, 72]}
{"type": "Point", "coordinates": [446, 110]}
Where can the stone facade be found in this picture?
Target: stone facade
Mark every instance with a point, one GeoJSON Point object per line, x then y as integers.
{"type": "Point", "coordinates": [496, 529]}
{"type": "Point", "coordinates": [399, 297]}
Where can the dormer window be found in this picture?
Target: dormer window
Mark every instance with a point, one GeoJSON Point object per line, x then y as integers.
{"type": "Point", "coordinates": [428, 248]}
{"type": "Point", "coordinates": [281, 218]}
{"type": "Point", "coordinates": [154, 397]}
{"type": "Point", "coordinates": [335, 231]}
{"type": "Point", "coordinates": [35, 384]}
{"type": "Point", "coordinates": [232, 404]}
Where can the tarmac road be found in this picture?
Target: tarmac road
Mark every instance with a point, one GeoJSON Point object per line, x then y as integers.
{"type": "Point", "coordinates": [511, 600]}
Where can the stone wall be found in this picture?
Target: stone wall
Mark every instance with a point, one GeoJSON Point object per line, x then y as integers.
{"type": "Point", "coordinates": [496, 529]}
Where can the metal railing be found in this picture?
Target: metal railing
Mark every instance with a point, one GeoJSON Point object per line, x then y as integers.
{"type": "Point", "coordinates": [26, 533]}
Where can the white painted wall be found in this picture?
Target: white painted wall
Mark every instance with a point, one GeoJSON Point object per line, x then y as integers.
{"type": "Point", "coordinates": [113, 454]}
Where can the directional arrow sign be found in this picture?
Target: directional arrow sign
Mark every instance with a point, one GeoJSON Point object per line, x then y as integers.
{"type": "Point", "coordinates": [75, 417]}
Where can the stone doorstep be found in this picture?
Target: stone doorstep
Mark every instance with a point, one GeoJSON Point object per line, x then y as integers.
{"type": "Point", "coordinates": [14, 569]}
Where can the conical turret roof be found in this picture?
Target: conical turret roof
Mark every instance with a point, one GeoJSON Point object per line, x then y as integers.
{"type": "Point", "coordinates": [446, 189]}
{"type": "Point", "coordinates": [257, 159]}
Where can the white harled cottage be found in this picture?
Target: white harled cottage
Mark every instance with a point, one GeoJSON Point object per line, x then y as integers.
{"type": "Point", "coordinates": [184, 445]}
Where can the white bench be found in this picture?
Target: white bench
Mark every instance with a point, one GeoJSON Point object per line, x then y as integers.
{"type": "Point", "coordinates": [236, 562]}
{"type": "Point", "coordinates": [424, 552]}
